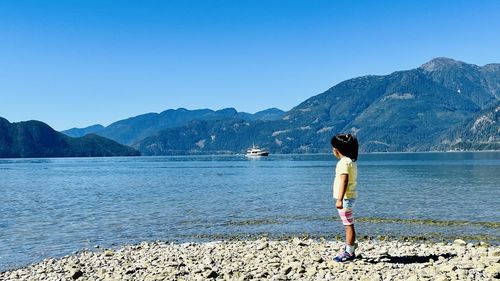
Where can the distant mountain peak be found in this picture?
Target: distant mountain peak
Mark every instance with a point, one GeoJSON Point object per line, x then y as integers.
{"type": "Point", "coordinates": [272, 109]}
{"type": "Point", "coordinates": [227, 110]}
{"type": "Point", "coordinates": [36, 139]}
{"type": "Point", "coordinates": [441, 63]}
{"type": "Point", "coordinates": [492, 67]}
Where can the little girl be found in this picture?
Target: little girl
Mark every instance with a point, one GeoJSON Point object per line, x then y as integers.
{"type": "Point", "coordinates": [345, 148]}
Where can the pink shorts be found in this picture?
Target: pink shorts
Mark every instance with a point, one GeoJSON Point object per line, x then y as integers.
{"type": "Point", "coordinates": [346, 217]}
{"type": "Point", "coordinates": [346, 213]}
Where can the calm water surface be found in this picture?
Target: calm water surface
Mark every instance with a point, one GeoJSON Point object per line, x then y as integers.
{"type": "Point", "coordinates": [53, 207]}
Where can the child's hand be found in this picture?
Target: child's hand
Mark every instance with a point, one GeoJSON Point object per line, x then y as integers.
{"type": "Point", "coordinates": [339, 204]}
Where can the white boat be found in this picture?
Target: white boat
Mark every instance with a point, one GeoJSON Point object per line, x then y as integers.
{"type": "Point", "coordinates": [255, 151]}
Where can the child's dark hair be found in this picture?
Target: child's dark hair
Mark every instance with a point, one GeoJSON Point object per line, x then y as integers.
{"type": "Point", "coordinates": [347, 144]}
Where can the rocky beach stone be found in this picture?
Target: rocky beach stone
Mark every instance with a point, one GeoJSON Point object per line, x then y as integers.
{"type": "Point", "coordinates": [493, 271]}
{"type": "Point", "coordinates": [262, 246]}
{"type": "Point", "coordinates": [108, 253]}
{"type": "Point", "coordinates": [459, 242]}
{"type": "Point", "coordinates": [296, 259]}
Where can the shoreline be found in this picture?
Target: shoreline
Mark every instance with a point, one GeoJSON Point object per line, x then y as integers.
{"type": "Point", "coordinates": [277, 154]}
{"type": "Point", "coordinates": [268, 259]}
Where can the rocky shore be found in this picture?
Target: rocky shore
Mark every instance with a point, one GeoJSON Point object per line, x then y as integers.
{"type": "Point", "coordinates": [294, 259]}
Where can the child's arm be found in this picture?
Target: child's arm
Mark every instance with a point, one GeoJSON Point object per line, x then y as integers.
{"type": "Point", "coordinates": [344, 179]}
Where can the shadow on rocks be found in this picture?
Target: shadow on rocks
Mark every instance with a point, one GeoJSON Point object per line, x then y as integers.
{"type": "Point", "coordinates": [407, 259]}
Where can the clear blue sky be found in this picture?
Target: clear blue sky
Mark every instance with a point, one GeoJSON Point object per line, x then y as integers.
{"type": "Point", "coordinates": [81, 62]}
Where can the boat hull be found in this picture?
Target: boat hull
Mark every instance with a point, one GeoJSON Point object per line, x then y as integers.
{"type": "Point", "coordinates": [257, 154]}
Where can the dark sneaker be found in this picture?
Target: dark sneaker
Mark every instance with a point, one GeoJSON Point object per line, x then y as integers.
{"type": "Point", "coordinates": [345, 256]}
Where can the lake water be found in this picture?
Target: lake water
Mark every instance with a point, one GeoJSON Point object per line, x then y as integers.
{"type": "Point", "coordinates": [53, 207]}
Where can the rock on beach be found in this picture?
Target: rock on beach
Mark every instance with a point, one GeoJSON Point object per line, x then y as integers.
{"type": "Point", "coordinates": [296, 259]}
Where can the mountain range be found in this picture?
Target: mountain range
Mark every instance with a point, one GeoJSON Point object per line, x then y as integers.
{"type": "Point", "coordinates": [442, 105]}
{"type": "Point", "coordinates": [482, 132]}
{"type": "Point", "coordinates": [32, 139]}
{"type": "Point", "coordinates": [131, 130]}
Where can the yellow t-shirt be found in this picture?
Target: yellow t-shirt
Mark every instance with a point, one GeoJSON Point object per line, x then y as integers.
{"type": "Point", "coordinates": [346, 166]}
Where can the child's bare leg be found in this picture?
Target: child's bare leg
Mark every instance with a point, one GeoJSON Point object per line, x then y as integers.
{"type": "Point", "coordinates": [350, 234]}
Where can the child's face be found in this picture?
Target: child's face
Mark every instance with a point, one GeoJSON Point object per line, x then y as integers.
{"type": "Point", "coordinates": [336, 153]}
